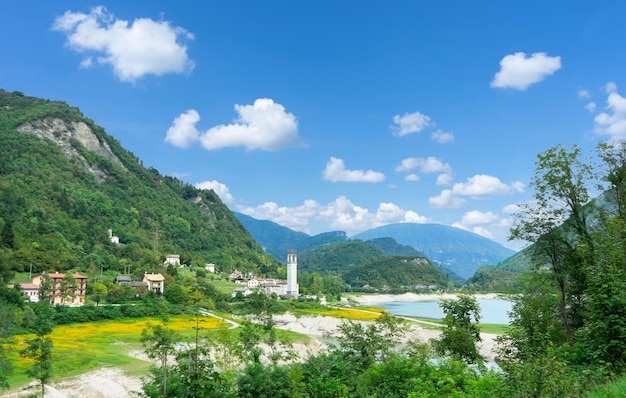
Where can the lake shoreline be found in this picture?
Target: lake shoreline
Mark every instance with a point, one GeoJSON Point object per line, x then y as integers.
{"type": "Point", "coordinates": [374, 299]}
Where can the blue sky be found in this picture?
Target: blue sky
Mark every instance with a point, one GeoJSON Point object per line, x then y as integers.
{"type": "Point", "coordinates": [335, 115]}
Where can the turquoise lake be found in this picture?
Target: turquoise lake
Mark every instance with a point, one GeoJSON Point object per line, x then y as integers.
{"type": "Point", "coordinates": [492, 310]}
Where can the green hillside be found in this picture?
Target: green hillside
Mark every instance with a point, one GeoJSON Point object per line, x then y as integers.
{"type": "Point", "coordinates": [406, 272]}
{"type": "Point", "coordinates": [64, 183]}
{"type": "Point", "coordinates": [338, 256]}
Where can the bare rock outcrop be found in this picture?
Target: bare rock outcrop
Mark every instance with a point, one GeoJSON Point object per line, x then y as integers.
{"type": "Point", "coordinates": [61, 133]}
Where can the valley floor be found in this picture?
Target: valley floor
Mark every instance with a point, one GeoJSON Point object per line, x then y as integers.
{"type": "Point", "coordinates": [113, 383]}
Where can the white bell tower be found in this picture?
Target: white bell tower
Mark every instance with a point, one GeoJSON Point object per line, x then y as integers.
{"type": "Point", "coordinates": [292, 274]}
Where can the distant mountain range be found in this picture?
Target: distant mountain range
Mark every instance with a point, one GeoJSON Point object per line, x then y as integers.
{"type": "Point", "coordinates": [460, 251]}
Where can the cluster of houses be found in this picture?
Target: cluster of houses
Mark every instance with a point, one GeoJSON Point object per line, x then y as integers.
{"type": "Point", "coordinates": [281, 287]}
{"type": "Point", "coordinates": [151, 281]}
{"type": "Point", "coordinates": [155, 282]}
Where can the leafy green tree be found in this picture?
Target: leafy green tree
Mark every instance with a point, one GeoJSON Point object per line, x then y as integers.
{"type": "Point", "coordinates": [366, 344]}
{"type": "Point", "coordinates": [259, 381]}
{"type": "Point", "coordinates": [67, 288]}
{"type": "Point", "coordinates": [323, 375]}
{"type": "Point", "coordinates": [461, 333]}
{"type": "Point", "coordinates": [46, 289]}
{"type": "Point", "coordinates": [176, 294]}
{"type": "Point", "coordinates": [160, 343]}
{"type": "Point", "coordinates": [557, 222]}
{"type": "Point", "coordinates": [99, 291]}
{"type": "Point", "coordinates": [39, 348]}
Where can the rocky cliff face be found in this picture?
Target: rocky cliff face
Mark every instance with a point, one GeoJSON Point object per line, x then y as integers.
{"type": "Point", "coordinates": [62, 133]}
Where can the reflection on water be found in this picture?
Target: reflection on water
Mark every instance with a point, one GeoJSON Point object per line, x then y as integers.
{"type": "Point", "coordinates": [492, 310]}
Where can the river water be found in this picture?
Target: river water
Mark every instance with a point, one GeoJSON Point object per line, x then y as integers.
{"type": "Point", "coordinates": [492, 310]}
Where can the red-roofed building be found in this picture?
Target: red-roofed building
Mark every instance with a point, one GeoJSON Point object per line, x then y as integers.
{"type": "Point", "coordinates": [57, 295]}
{"type": "Point", "coordinates": [31, 291]}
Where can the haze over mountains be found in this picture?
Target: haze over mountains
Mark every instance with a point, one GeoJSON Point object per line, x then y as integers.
{"type": "Point", "coordinates": [461, 251]}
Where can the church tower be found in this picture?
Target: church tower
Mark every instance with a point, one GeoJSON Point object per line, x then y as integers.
{"type": "Point", "coordinates": [292, 274]}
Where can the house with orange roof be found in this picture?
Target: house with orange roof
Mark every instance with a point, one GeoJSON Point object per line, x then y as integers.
{"type": "Point", "coordinates": [58, 293]}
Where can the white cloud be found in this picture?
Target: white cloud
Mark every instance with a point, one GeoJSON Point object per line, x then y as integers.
{"type": "Point", "coordinates": [518, 186]}
{"type": "Point", "coordinates": [336, 171]}
{"type": "Point", "coordinates": [425, 165]}
{"type": "Point", "coordinates": [264, 125]}
{"type": "Point", "coordinates": [612, 122]}
{"type": "Point", "coordinates": [446, 199]}
{"type": "Point", "coordinates": [296, 218]}
{"type": "Point", "coordinates": [591, 106]}
{"type": "Point", "coordinates": [133, 50]}
{"type": "Point", "coordinates": [442, 137]}
{"type": "Point", "coordinates": [480, 186]}
{"type": "Point", "coordinates": [512, 208]}
{"type": "Point", "coordinates": [483, 223]}
{"type": "Point", "coordinates": [412, 177]}
{"type": "Point", "coordinates": [341, 213]}
{"type": "Point", "coordinates": [444, 179]}
{"type": "Point", "coordinates": [519, 72]}
{"type": "Point", "coordinates": [182, 133]}
{"type": "Point", "coordinates": [220, 189]}
{"type": "Point", "coordinates": [583, 94]}
{"type": "Point", "coordinates": [347, 216]}
{"type": "Point", "coordinates": [410, 123]}
{"type": "Point", "coordinates": [610, 87]}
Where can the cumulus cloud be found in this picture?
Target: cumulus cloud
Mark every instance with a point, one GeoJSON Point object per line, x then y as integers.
{"type": "Point", "coordinates": [133, 50]}
{"type": "Point", "coordinates": [347, 216]}
{"type": "Point", "coordinates": [296, 218]}
{"type": "Point", "coordinates": [426, 166]}
{"type": "Point", "coordinates": [480, 186]}
{"type": "Point", "coordinates": [517, 71]}
{"type": "Point", "coordinates": [583, 94]}
{"type": "Point", "coordinates": [442, 137]}
{"type": "Point", "coordinates": [590, 106]}
{"type": "Point", "coordinates": [612, 122]}
{"type": "Point", "coordinates": [410, 123]}
{"type": "Point", "coordinates": [220, 189]}
{"type": "Point", "coordinates": [182, 133]}
{"type": "Point", "coordinates": [336, 171]}
{"type": "Point", "coordinates": [265, 125]}
{"type": "Point", "coordinates": [483, 223]}
{"type": "Point", "coordinates": [446, 199]}
{"type": "Point", "coordinates": [342, 214]}
{"type": "Point", "coordinates": [444, 179]}
{"type": "Point", "coordinates": [412, 177]}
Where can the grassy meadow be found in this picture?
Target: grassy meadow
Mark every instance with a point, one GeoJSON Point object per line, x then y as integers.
{"type": "Point", "coordinates": [82, 347]}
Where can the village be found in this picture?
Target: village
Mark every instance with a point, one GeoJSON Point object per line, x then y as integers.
{"type": "Point", "coordinates": [71, 289]}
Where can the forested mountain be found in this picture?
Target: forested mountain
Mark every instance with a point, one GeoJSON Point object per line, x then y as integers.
{"type": "Point", "coordinates": [391, 247]}
{"type": "Point", "coordinates": [277, 240]}
{"type": "Point", "coordinates": [364, 266]}
{"type": "Point", "coordinates": [454, 248]}
{"type": "Point", "coordinates": [64, 183]}
{"type": "Point", "coordinates": [338, 257]}
{"type": "Point", "coordinates": [407, 272]}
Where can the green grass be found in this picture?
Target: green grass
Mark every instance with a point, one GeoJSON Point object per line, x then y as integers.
{"type": "Point", "coordinates": [82, 347]}
{"type": "Point", "coordinates": [225, 286]}
{"type": "Point", "coordinates": [613, 389]}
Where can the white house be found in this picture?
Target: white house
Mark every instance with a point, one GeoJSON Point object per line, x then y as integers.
{"type": "Point", "coordinates": [31, 291]}
{"type": "Point", "coordinates": [210, 267]}
{"type": "Point", "coordinates": [243, 290]}
{"type": "Point", "coordinates": [172, 259]}
{"type": "Point", "coordinates": [155, 282]}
